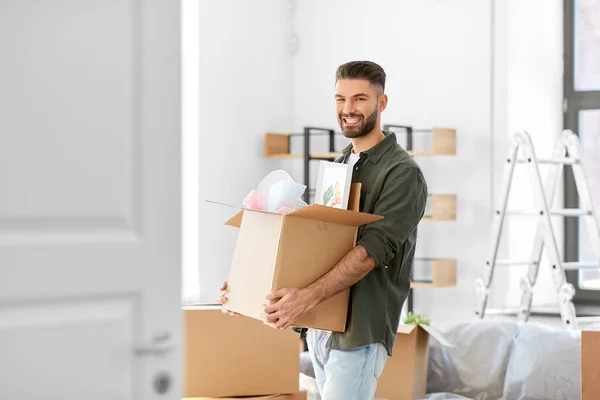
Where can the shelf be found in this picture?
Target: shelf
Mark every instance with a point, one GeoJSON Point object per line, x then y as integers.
{"type": "Point", "coordinates": [277, 145]}
{"type": "Point", "coordinates": [444, 274]}
{"type": "Point", "coordinates": [443, 208]}
{"type": "Point", "coordinates": [444, 143]}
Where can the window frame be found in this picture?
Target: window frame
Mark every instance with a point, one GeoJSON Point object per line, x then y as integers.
{"type": "Point", "coordinates": [574, 102]}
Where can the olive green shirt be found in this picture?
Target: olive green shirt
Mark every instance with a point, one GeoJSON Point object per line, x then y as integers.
{"type": "Point", "coordinates": [393, 186]}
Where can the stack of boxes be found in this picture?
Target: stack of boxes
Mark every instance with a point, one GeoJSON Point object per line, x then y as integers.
{"type": "Point", "coordinates": [228, 356]}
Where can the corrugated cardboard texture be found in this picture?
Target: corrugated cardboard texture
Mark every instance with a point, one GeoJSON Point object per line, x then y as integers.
{"type": "Point", "coordinates": [590, 365]}
{"type": "Point", "coordinates": [253, 266]}
{"type": "Point", "coordinates": [405, 373]}
{"type": "Point", "coordinates": [295, 396]}
{"type": "Point", "coordinates": [328, 243]}
{"type": "Point", "coordinates": [229, 356]}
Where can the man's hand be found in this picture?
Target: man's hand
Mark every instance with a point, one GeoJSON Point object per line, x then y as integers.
{"type": "Point", "coordinates": [290, 306]}
{"type": "Point", "coordinates": [223, 299]}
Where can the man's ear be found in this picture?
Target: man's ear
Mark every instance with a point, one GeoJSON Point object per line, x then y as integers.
{"type": "Point", "coordinates": [383, 99]}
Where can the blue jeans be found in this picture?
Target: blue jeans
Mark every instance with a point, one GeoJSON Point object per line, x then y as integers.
{"type": "Point", "coordinates": [345, 375]}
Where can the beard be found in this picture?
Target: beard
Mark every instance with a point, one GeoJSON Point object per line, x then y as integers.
{"type": "Point", "coordinates": [352, 132]}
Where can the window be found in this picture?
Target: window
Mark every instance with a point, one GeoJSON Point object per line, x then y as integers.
{"type": "Point", "coordinates": [582, 115]}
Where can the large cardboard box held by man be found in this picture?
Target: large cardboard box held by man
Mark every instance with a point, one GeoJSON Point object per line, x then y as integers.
{"type": "Point", "coordinates": [228, 356]}
{"type": "Point", "coordinates": [404, 376]}
{"type": "Point", "coordinates": [275, 251]}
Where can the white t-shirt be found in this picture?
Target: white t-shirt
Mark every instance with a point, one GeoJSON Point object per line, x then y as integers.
{"type": "Point", "coordinates": [352, 159]}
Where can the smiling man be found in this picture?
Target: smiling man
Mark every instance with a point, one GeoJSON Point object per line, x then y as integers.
{"type": "Point", "coordinates": [347, 365]}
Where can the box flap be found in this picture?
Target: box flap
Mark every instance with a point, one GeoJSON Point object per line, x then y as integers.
{"type": "Point", "coordinates": [236, 220]}
{"type": "Point", "coordinates": [315, 212]}
{"type": "Point", "coordinates": [406, 329]}
{"type": "Point", "coordinates": [335, 215]}
{"type": "Point", "coordinates": [437, 335]}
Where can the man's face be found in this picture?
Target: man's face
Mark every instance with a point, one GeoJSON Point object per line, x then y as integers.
{"type": "Point", "coordinates": [357, 106]}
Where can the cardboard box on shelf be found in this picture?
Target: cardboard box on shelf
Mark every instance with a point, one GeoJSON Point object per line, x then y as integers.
{"type": "Point", "coordinates": [405, 373]}
{"type": "Point", "coordinates": [228, 356]}
{"type": "Point", "coordinates": [590, 368]}
{"type": "Point", "coordinates": [275, 251]}
{"type": "Point", "coordinates": [293, 396]}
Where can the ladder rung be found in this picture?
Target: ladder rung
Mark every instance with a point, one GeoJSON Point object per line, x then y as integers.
{"type": "Point", "coordinates": [502, 311]}
{"type": "Point", "coordinates": [580, 265]}
{"type": "Point", "coordinates": [567, 212]}
{"type": "Point", "coordinates": [521, 212]}
{"type": "Point", "coordinates": [588, 320]}
{"type": "Point", "coordinates": [514, 262]}
{"type": "Point", "coordinates": [515, 311]}
{"type": "Point", "coordinates": [571, 212]}
{"type": "Point", "coordinates": [558, 160]}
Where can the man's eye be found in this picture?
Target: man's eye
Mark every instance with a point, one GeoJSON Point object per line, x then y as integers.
{"type": "Point", "coordinates": [339, 100]}
{"type": "Point", "coordinates": [361, 99]}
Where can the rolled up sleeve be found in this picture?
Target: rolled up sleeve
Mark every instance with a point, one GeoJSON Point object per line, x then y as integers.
{"type": "Point", "coordinates": [402, 204]}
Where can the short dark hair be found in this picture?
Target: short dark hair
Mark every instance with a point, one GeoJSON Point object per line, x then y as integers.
{"type": "Point", "coordinates": [367, 70]}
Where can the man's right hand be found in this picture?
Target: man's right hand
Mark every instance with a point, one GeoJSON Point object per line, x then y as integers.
{"type": "Point", "coordinates": [223, 299]}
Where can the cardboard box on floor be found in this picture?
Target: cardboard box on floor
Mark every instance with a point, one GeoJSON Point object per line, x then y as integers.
{"type": "Point", "coordinates": [590, 367]}
{"type": "Point", "coordinates": [294, 396]}
{"type": "Point", "coordinates": [275, 251]}
{"type": "Point", "coordinates": [405, 373]}
{"type": "Point", "coordinates": [228, 356]}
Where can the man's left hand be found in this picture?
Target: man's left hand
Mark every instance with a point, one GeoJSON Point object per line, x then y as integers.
{"type": "Point", "coordinates": [290, 305]}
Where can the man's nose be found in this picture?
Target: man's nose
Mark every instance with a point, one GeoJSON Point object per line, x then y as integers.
{"type": "Point", "coordinates": [348, 107]}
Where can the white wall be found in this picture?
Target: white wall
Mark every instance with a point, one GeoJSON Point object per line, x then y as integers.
{"type": "Point", "coordinates": [437, 56]}
{"type": "Point", "coordinates": [480, 66]}
{"type": "Point", "coordinates": [534, 93]}
{"type": "Point", "coordinates": [245, 84]}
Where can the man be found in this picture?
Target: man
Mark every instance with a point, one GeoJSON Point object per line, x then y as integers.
{"type": "Point", "coordinates": [347, 365]}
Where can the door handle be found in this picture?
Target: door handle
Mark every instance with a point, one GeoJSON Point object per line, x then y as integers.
{"type": "Point", "coordinates": [160, 344]}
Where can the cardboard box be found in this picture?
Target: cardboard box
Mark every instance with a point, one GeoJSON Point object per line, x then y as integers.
{"type": "Point", "coordinates": [275, 251]}
{"type": "Point", "coordinates": [228, 356]}
{"type": "Point", "coordinates": [405, 373]}
{"type": "Point", "coordinates": [294, 396]}
{"type": "Point", "coordinates": [590, 367]}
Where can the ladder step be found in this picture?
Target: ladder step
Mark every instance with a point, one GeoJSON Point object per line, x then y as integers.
{"type": "Point", "coordinates": [559, 160]}
{"type": "Point", "coordinates": [580, 265]}
{"type": "Point", "coordinates": [588, 320]}
{"type": "Point", "coordinates": [514, 262]}
{"type": "Point", "coordinates": [567, 212]}
{"type": "Point", "coordinates": [566, 265]}
{"type": "Point", "coordinates": [571, 212]}
{"type": "Point", "coordinates": [546, 311]}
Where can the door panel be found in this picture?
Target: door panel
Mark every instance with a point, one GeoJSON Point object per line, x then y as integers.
{"type": "Point", "coordinates": [98, 332]}
{"type": "Point", "coordinates": [89, 199]}
{"type": "Point", "coordinates": [69, 87]}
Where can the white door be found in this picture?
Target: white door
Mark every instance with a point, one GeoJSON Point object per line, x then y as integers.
{"type": "Point", "coordinates": [89, 200]}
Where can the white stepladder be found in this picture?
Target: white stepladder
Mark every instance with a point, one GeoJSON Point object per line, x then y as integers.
{"type": "Point", "coordinates": [567, 151]}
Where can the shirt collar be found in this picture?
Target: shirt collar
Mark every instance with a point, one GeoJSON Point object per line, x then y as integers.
{"type": "Point", "coordinates": [376, 152]}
